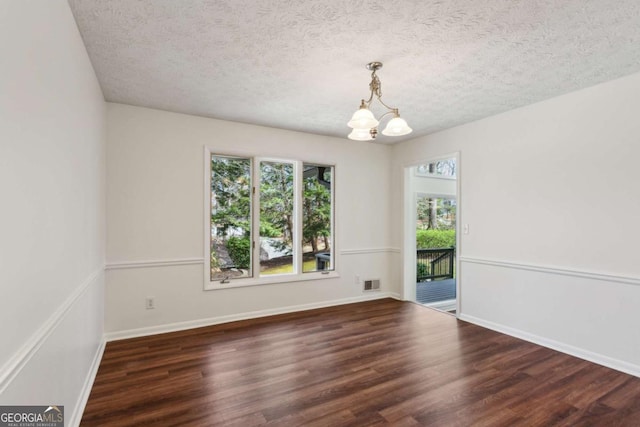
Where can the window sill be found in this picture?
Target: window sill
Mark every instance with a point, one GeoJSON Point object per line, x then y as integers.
{"type": "Point", "coordinates": [275, 279]}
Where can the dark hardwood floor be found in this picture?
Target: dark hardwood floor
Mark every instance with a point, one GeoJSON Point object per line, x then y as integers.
{"type": "Point", "coordinates": [375, 363]}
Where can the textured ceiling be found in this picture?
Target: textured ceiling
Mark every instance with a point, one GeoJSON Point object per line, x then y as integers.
{"type": "Point", "coordinates": [299, 65]}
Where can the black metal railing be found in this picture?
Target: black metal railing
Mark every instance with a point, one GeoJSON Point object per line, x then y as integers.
{"type": "Point", "coordinates": [323, 259]}
{"type": "Point", "coordinates": [435, 263]}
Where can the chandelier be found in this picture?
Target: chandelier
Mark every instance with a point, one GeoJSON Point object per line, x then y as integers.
{"type": "Point", "coordinates": [364, 123]}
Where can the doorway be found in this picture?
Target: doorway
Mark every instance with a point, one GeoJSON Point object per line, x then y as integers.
{"type": "Point", "coordinates": [436, 251]}
{"type": "Point", "coordinates": [431, 233]}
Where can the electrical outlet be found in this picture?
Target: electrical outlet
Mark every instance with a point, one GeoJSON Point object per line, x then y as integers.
{"type": "Point", "coordinates": [150, 303]}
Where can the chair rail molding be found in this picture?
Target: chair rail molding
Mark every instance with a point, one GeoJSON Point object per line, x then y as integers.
{"type": "Point", "coordinates": [120, 265]}
{"type": "Point", "coordinates": [369, 251]}
{"type": "Point", "coordinates": [172, 262]}
{"type": "Point", "coordinates": [553, 270]}
{"type": "Point", "coordinates": [18, 361]}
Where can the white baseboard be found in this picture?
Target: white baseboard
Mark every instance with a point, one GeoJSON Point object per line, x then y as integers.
{"type": "Point", "coordinates": [395, 295]}
{"type": "Point", "coordinates": [191, 324]}
{"type": "Point", "coordinates": [76, 417]}
{"type": "Point", "coordinates": [600, 359]}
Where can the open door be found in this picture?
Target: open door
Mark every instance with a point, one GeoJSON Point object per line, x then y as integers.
{"type": "Point", "coordinates": [436, 251]}
{"type": "Point", "coordinates": [431, 233]}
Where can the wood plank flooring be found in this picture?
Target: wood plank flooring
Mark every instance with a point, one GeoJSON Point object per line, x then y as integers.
{"type": "Point", "coordinates": [383, 362]}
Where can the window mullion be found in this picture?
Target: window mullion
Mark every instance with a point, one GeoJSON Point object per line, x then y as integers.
{"type": "Point", "coordinates": [255, 217]}
{"type": "Point", "coordinates": [297, 217]}
{"type": "Point", "coordinates": [332, 241]}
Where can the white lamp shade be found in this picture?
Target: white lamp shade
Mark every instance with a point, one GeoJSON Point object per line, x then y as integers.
{"type": "Point", "coordinates": [397, 127]}
{"type": "Point", "coordinates": [363, 119]}
{"type": "Point", "coordinates": [360, 135]}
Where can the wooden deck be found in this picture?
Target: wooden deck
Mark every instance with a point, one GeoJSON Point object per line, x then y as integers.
{"type": "Point", "coordinates": [383, 362]}
{"type": "Point", "coordinates": [436, 291]}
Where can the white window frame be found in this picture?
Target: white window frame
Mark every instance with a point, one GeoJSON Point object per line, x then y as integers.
{"type": "Point", "coordinates": [256, 279]}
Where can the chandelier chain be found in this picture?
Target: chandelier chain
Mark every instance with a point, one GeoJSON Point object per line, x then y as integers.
{"type": "Point", "coordinates": [376, 89]}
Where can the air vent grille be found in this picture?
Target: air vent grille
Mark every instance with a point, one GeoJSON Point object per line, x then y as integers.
{"type": "Point", "coordinates": [372, 285]}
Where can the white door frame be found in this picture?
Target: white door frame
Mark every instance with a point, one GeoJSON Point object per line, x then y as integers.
{"type": "Point", "coordinates": [410, 202]}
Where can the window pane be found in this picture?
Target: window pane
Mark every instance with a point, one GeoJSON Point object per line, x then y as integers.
{"type": "Point", "coordinates": [276, 218]}
{"type": "Point", "coordinates": [442, 168]}
{"type": "Point", "coordinates": [230, 218]}
{"type": "Point", "coordinates": [316, 218]}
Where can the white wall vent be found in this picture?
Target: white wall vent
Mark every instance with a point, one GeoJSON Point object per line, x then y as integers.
{"type": "Point", "coordinates": [372, 285]}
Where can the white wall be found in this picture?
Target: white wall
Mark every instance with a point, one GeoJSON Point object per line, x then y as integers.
{"type": "Point", "coordinates": [550, 193]}
{"type": "Point", "coordinates": [52, 220]}
{"type": "Point", "coordinates": [155, 208]}
{"type": "Point", "coordinates": [544, 260]}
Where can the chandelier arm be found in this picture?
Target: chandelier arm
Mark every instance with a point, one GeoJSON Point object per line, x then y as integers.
{"type": "Point", "coordinates": [368, 101]}
{"type": "Point", "coordinates": [391, 109]}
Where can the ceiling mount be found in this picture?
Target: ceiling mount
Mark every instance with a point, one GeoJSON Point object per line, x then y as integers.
{"type": "Point", "coordinates": [363, 122]}
{"type": "Point", "coordinates": [374, 66]}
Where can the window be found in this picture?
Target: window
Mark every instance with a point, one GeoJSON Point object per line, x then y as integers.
{"type": "Point", "coordinates": [276, 218]}
{"type": "Point", "coordinates": [316, 217]}
{"type": "Point", "coordinates": [439, 169]}
{"type": "Point", "coordinates": [268, 220]}
{"type": "Point", "coordinates": [230, 243]}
